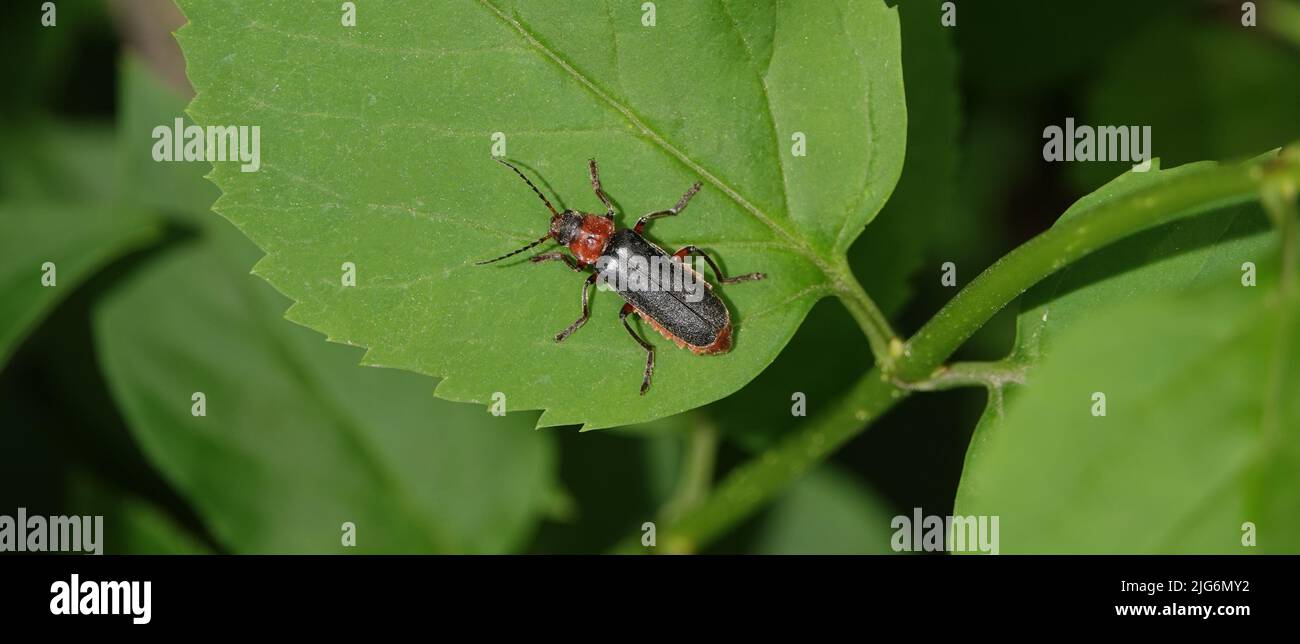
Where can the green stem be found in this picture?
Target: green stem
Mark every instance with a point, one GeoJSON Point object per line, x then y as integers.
{"type": "Point", "coordinates": [1279, 198]}
{"type": "Point", "coordinates": [993, 375]}
{"type": "Point", "coordinates": [756, 482]}
{"type": "Point", "coordinates": [752, 484]}
{"type": "Point", "coordinates": [1290, 253]}
{"type": "Point", "coordinates": [1069, 240]}
{"type": "Point", "coordinates": [697, 468]}
{"type": "Point", "coordinates": [874, 324]}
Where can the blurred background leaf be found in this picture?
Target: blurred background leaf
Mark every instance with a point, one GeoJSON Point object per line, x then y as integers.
{"type": "Point", "coordinates": [297, 439]}
{"type": "Point", "coordinates": [76, 239]}
{"type": "Point", "coordinates": [41, 82]}
{"type": "Point", "coordinates": [132, 524]}
{"type": "Point", "coordinates": [1209, 90]}
{"type": "Point", "coordinates": [826, 512]}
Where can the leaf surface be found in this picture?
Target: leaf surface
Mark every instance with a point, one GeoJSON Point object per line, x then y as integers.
{"type": "Point", "coordinates": [56, 206]}
{"type": "Point", "coordinates": [376, 144]}
{"type": "Point", "coordinates": [1195, 441]}
{"type": "Point", "coordinates": [827, 353]}
{"type": "Point", "coordinates": [76, 238]}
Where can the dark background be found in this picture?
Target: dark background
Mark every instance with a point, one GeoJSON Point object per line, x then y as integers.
{"type": "Point", "coordinates": [1210, 89]}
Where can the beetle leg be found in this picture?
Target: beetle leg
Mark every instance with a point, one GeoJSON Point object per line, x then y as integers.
{"type": "Point", "coordinates": [586, 309]}
{"type": "Point", "coordinates": [649, 348]}
{"type": "Point", "coordinates": [600, 192]}
{"type": "Point", "coordinates": [717, 272]}
{"type": "Point", "coordinates": [681, 205]}
{"type": "Point", "coordinates": [556, 256]}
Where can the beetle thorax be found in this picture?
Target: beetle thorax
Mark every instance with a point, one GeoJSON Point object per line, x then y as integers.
{"type": "Point", "coordinates": [585, 235]}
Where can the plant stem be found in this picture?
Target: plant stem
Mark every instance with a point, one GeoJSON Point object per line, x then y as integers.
{"type": "Point", "coordinates": [880, 335]}
{"type": "Point", "coordinates": [696, 477]}
{"type": "Point", "coordinates": [1107, 222]}
{"type": "Point", "coordinates": [754, 483]}
{"type": "Point", "coordinates": [1279, 198]}
{"type": "Point", "coordinates": [992, 375]}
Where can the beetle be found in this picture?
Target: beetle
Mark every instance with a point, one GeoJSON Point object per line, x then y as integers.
{"type": "Point", "coordinates": [693, 318]}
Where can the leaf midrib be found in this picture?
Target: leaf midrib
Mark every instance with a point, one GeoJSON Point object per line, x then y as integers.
{"type": "Point", "coordinates": [797, 243]}
{"type": "Point", "coordinates": [767, 102]}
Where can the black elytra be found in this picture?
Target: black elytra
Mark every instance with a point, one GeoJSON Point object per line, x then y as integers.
{"type": "Point", "coordinates": [661, 288]}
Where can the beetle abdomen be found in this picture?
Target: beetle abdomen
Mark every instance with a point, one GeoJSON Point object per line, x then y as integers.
{"type": "Point", "coordinates": [721, 340]}
{"type": "Point", "coordinates": [667, 294]}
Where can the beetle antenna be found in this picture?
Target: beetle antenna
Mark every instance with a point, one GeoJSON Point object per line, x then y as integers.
{"type": "Point", "coordinates": [513, 253]}
{"type": "Point", "coordinates": [530, 185]}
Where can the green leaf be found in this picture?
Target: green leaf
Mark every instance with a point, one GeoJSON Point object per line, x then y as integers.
{"type": "Point", "coordinates": [1198, 439]}
{"type": "Point", "coordinates": [827, 354]}
{"type": "Point", "coordinates": [923, 207]}
{"type": "Point", "coordinates": [297, 440]}
{"type": "Point", "coordinates": [55, 210]}
{"type": "Point", "coordinates": [375, 150]}
{"type": "Point", "coordinates": [1191, 253]}
{"type": "Point", "coordinates": [1161, 325]}
{"type": "Point", "coordinates": [65, 162]}
{"type": "Point", "coordinates": [76, 238]}
{"type": "Point", "coordinates": [826, 512]}
{"type": "Point", "coordinates": [178, 189]}
{"type": "Point", "coordinates": [132, 525]}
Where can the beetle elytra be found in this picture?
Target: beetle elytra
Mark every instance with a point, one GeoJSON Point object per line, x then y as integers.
{"type": "Point", "coordinates": [691, 318]}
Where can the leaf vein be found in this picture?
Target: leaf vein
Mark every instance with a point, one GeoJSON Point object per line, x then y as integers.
{"type": "Point", "coordinates": [655, 137]}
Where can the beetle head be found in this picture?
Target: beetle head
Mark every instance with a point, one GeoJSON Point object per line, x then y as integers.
{"type": "Point", "coordinates": [585, 234]}
{"type": "Point", "coordinates": [565, 226]}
